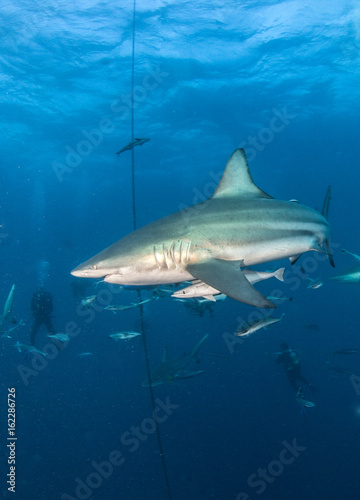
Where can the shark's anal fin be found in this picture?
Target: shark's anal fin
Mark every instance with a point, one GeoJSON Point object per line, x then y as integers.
{"type": "Point", "coordinates": [226, 276]}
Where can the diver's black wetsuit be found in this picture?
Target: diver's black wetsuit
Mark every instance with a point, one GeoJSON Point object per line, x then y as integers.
{"type": "Point", "coordinates": [42, 307]}
{"type": "Point", "coordinates": [291, 362]}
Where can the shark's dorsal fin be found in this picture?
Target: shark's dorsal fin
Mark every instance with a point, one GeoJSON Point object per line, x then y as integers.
{"type": "Point", "coordinates": [236, 180]}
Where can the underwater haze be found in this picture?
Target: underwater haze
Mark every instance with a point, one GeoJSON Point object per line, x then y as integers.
{"type": "Point", "coordinates": [279, 79]}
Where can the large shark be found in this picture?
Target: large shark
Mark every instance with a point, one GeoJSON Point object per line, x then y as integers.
{"type": "Point", "coordinates": [239, 225]}
{"type": "Point", "coordinates": [171, 369]}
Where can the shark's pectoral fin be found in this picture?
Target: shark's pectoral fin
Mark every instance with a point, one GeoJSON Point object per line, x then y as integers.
{"type": "Point", "coordinates": [226, 276]}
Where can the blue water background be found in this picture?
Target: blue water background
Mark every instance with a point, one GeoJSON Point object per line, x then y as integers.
{"type": "Point", "coordinates": [223, 72]}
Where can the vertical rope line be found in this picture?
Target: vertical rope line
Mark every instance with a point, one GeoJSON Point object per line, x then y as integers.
{"type": "Point", "coordinates": [152, 397]}
{"type": "Point", "coordinates": [132, 118]}
{"type": "Point", "coordinates": [141, 310]}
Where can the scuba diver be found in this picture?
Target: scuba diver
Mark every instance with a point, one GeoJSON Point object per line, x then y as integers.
{"type": "Point", "coordinates": [290, 359]}
{"type": "Point", "coordinates": [41, 307]}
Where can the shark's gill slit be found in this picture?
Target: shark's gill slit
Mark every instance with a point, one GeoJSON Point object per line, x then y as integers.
{"type": "Point", "coordinates": [180, 253]}
{"type": "Point", "coordinates": [187, 251]}
{"type": "Point", "coordinates": [156, 259]}
{"type": "Point", "coordinates": [164, 253]}
{"type": "Point", "coordinates": [172, 246]}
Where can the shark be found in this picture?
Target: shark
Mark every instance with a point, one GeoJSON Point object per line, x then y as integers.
{"type": "Point", "coordinates": [171, 369]}
{"type": "Point", "coordinates": [132, 144]}
{"type": "Point", "coordinates": [303, 402]}
{"type": "Point", "coordinates": [6, 312]}
{"type": "Point", "coordinates": [351, 275]}
{"type": "Point", "coordinates": [28, 349]}
{"type": "Point", "coordinates": [247, 329]}
{"type": "Point", "coordinates": [238, 226]}
{"type": "Point", "coordinates": [5, 334]}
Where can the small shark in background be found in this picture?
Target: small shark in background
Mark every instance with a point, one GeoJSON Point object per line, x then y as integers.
{"type": "Point", "coordinates": [132, 144]}
{"type": "Point", "coordinates": [238, 226]}
{"type": "Point", "coordinates": [87, 301]}
{"type": "Point", "coordinates": [247, 329]}
{"type": "Point", "coordinates": [314, 284]}
{"type": "Point", "coordinates": [171, 369]}
{"type": "Point", "coordinates": [347, 351]}
{"type": "Point", "coordinates": [303, 402]}
{"type": "Point", "coordinates": [115, 308]}
{"type": "Point", "coordinates": [351, 275]}
{"type": "Point", "coordinates": [6, 312]}
{"type": "Point", "coordinates": [5, 334]}
{"type": "Point", "coordinates": [61, 337]}
{"type": "Point", "coordinates": [29, 349]}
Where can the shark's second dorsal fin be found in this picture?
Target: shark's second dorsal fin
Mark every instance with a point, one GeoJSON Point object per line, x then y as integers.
{"type": "Point", "coordinates": [236, 180]}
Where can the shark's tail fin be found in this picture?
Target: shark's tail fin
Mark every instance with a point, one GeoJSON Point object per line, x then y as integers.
{"type": "Point", "coordinates": [198, 345]}
{"type": "Point", "coordinates": [325, 213]}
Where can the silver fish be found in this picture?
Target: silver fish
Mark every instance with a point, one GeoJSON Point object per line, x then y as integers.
{"type": "Point", "coordinates": [62, 337]}
{"type": "Point", "coordinates": [87, 301]}
{"type": "Point", "coordinates": [200, 289]}
{"type": "Point", "coordinates": [124, 335]}
{"type": "Point", "coordinates": [315, 284]}
{"type": "Point", "coordinates": [28, 348]}
{"type": "Point", "coordinates": [248, 328]}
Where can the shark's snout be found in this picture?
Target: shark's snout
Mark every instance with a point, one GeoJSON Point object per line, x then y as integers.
{"type": "Point", "coordinates": [84, 271]}
{"type": "Point", "coordinates": [79, 272]}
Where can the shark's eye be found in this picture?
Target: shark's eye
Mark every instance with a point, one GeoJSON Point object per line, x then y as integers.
{"type": "Point", "coordinates": [94, 267]}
